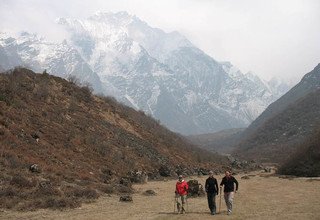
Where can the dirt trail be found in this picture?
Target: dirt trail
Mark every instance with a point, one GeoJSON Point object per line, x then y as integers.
{"type": "Point", "coordinates": [258, 198]}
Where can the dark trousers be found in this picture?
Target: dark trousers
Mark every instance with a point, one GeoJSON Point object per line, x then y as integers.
{"type": "Point", "coordinates": [212, 202]}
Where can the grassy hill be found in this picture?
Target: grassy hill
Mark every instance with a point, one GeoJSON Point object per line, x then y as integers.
{"type": "Point", "coordinates": [84, 145]}
{"type": "Point", "coordinates": [306, 160]}
{"type": "Point", "coordinates": [278, 137]}
{"type": "Point", "coordinates": [309, 83]}
{"type": "Point", "coordinates": [286, 123]}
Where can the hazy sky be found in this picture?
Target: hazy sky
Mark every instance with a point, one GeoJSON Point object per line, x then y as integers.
{"type": "Point", "coordinates": [269, 37]}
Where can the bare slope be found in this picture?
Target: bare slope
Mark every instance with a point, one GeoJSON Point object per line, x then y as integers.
{"type": "Point", "coordinates": [306, 160]}
{"type": "Point", "coordinates": [278, 137]}
{"type": "Point", "coordinates": [309, 83]}
{"type": "Point", "coordinates": [82, 143]}
{"type": "Point", "coordinates": [274, 135]}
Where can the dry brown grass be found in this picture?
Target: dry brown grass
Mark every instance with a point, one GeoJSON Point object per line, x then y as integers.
{"type": "Point", "coordinates": [71, 134]}
{"type": "Point", "coordinates": [258, 198]}
{"type": "Point", "coordinates": [306, 160]}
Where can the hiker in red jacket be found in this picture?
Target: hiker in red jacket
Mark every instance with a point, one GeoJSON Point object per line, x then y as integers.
{"type": "Point", "coordinates": [181, 192]}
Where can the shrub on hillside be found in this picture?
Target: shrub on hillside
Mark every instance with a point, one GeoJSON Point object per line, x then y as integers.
{"type": "Point", "coordinates": [42, 92]}
{"type": "Point", "coordinates": [21, 181]}
{"type": "Point", "coordinates": [306, 160]}
{"type": "Point", "coordinates": [11, 160]}
{"type": "Point", "coordinates": [109, 189]}
{"type": "Point", "coordinates": [73, 80]}
{"type": "Point", "coordinates": [83, 148]}
{"type": "Point", "coordinates": [86, 193]}
{"type": "Point", "coordinates": [124, 189]}
{"type": "Point", "coordinates": [7, 192]}
{"type": "Point", "coordinates": [47, 202]}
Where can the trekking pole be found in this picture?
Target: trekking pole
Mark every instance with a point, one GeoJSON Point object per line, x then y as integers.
{"type": "Point", "coordinates": [174, 204]}
{"type": "Point", "coordinates": [220, 200]}
{"type": "Point", "coordinates": [187, 203]}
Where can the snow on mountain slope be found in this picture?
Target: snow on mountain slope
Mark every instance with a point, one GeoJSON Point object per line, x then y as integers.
{"type": "Point", "coordinates": [38, 54]}
{"type": "Point", "coordinates": [161, 73]}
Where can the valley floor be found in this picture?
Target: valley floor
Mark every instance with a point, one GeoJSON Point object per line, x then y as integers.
{"type": "Point", "coordinates": [260, 197]}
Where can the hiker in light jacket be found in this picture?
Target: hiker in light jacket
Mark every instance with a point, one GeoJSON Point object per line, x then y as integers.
{"type": "Point", "coordinates": [228, 182]}
{"type": "Point", "coordinates": [181, 193]}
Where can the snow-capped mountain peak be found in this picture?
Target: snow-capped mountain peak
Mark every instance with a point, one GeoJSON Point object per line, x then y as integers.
{"type": "Point", "coordinates": [161, 73]}
{"type": "Point", "coordinates": [121, 18]}
{"type": "Point", "coordinates": [233, 71]}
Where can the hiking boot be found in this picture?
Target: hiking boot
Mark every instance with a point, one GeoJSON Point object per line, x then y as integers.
{"type": "Point", "coordinates": [229, 213]}
{"type": "Point", "coordinates": [178, 207]}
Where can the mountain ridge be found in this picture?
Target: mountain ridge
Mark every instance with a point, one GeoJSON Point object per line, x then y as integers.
{"type": "Point", "coordinates": [285, 124]}
{"type": "Point", "coordinates": [147, 68]}
{"type": "Point", "coordinates": [309, 82]}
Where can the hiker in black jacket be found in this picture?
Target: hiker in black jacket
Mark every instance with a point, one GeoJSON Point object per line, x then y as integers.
{"type": "Point", "coordinates": [212, 190]}
{"type": "Point", "coordinates": [228, 181]}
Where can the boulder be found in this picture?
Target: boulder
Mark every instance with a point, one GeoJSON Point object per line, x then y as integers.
{"type": "Point", "coordinates": [108, 175]}
{"type": "Point", "coordinates": [125, 181]}
{"type": "Point", "coordinates": [138, 176]}
{"type": "Point", "coordinates": [149, 192]}
{"type": "Point", "coordinates": [195, 189]}
{"type": "Point", "coordinates": [126, 198]}
{"type": "Point", "coordinates": [34, 168]}
{"type": "Point", "coordinates": [45, 184]}
{"type": "Point", "coordinates": [267, 169]}
{"type": "Point", "coordinates": [153, 175]}
{"type": "Point", "coordinates": [203, 171]}
{"type": "Point", "coordinates": [245, 177]}
{"type": "Point", "coordinates": [35, 136]}
{"type": "Point", "coordinates": [164, 171]}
